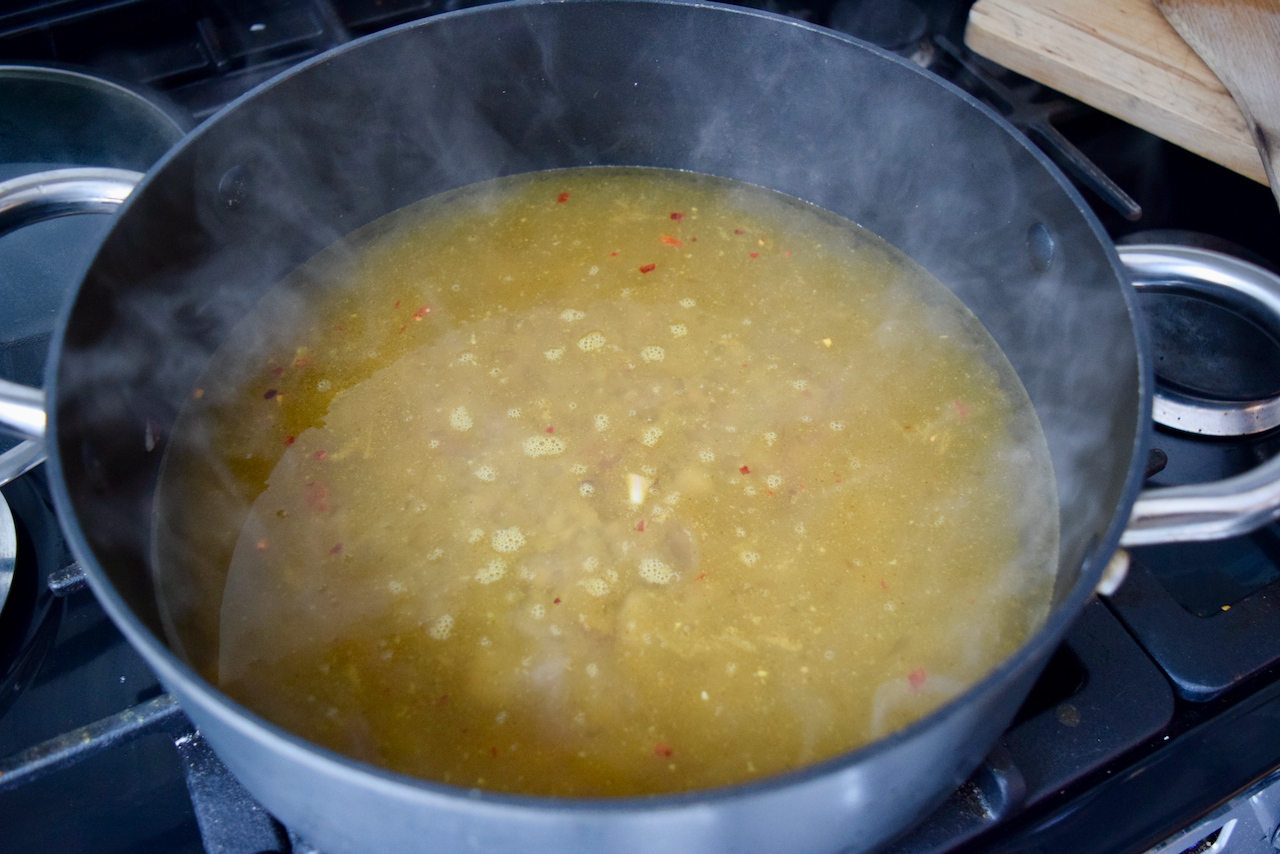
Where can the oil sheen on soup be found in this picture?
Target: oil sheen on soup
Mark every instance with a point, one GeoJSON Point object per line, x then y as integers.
{"type": "Point", "coordinates": [604, 482]}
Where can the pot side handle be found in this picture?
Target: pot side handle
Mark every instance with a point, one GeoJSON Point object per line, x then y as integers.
{"type": "Point", "coordinates": [25, 201]}
{"type": "Point", "coordinates": [1236, 505]}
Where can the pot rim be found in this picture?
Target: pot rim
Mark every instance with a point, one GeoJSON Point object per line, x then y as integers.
{"type": "Point", "coordinates": [1033, 652]}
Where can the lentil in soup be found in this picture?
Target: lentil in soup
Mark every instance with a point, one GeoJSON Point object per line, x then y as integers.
{"type": "Point", "coordinates": [605, 482]}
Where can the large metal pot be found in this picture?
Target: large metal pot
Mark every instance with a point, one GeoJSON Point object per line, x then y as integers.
{"type": "Point", "coordinates": [496, 90]}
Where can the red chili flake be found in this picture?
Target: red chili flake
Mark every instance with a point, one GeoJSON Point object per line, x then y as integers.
{"type": "Point", "coordinates": [444, 698]}
{"type": "Point", "coordinates": [556, 601]}
{"type": "Point", "coordinates": [316, 495]}
{"type": "Point", "coordinates": [677, 216]}
{"type": "Point", "coordinates": [882, 584]}
{"type": "Point", "coordinates": [397, 305]}
{"type": "Point", "coordinates": [301, 363]}
{"type": "Point", "coordinates": [753, 254]}
{"type": "Point", "coordinates": [262, 545]}
{"type": "Point", "coordinates": [670, 241]}
{"type": "Point", "coordinates": [562, 198]}
{"type": "Point", "coordinates": [270, 393]}
{"type": "Point", "coordinates": [319, 455]}
{"type": "Point", "coordinates": [640, 526]}
{"type": "Point", "coordinates": [916, 678]}
{"type": "Point", "coordinates": [700, 576]}
{"type": "Point", "coordinates": [402, 329]}
{"type": "Point", "coordinates": [493, 751]}
{"type": "Point", "coordinates": [422, 312]}
{"type": "Point", "coordinates": [906, 426]}
{"type": "Point", "coordinates": [551, 429]}
{"type": "Point", "coordinates": [288, 440]}
{"type": "Point", "coordinates": [744, 470]}
{"type": "Point", "coordinates": [960, 410]}
{"type": "Point", "coordinates": [336, 550]}
{"type": "Point", "coordinates": [768, 492]}
{"type": "Point", "coordinates": [613, 254]}
{"type": "Point", "coordinates": [662, 750]}
{"type": "Point", "coordinates": [693, 240]}
{"type": "Point", "coordinates": [787, 253]}
{"type": "Point", "coordinates": [647, 268]}
{"type": "Point", "coordinates": [339, 329]}
{"type": "Point", "coordinates": [744, 364]}
{"type": "Point", "coordinates": [277, 370]}
{"type": "Point", "coordinates": [737, 231]}
{"type": "Point", "coordinates": [198, 393]}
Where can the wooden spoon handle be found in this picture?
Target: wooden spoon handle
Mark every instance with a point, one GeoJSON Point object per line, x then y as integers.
{"type": "Point", "coordinates": [1240, 41]}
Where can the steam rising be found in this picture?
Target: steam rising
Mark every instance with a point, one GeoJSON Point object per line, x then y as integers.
{"type": "Point", "coordinates": [335, 146]}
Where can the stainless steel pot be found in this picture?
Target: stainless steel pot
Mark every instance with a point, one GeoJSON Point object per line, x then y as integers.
{"type": "Point", "coordinates": [497, 90]}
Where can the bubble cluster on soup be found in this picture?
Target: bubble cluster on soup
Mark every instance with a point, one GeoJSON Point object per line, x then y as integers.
{"type": "Point", "coordinates": [605, 482]}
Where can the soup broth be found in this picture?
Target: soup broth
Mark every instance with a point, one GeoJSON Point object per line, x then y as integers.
{"type": "Point", "coordinates": [605, 482]}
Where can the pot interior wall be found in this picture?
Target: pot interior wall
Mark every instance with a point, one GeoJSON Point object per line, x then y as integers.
{"type": "Point", "coordinates": [473, 96]}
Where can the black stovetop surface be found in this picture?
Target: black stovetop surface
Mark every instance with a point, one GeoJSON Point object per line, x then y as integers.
{"type": "Point", "coordinates": [1162, 703]}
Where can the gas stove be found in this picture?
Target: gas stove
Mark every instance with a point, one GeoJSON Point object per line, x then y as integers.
{"type": "Point", "coordinates": [1155, 726]}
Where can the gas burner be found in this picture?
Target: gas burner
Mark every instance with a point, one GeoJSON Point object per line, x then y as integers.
{"type": "Point", "coordinates": [28, 620]}
{"type": "Point", "coordinates": [8, 551]}
{"type": "Point", "coordinates": [1211, 318]}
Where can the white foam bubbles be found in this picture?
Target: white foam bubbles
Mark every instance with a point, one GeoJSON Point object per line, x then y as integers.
{"type": "Point", "coordinates": [591, 342]}
{"type": "Point", "coordinates": [679, 330]}
{"type": "Point", "coordinates": [441, 628]}
{"type": "Point", "coordinates": [653, 353]}
{"type": "Point", "coordinates": [543, 446]}
{"type": "Point", "coordinates": [602, 423]}
{"type": "Point", "coordinates": [486, 473]}
{"type": "Point", "coordinates": [460, 419]}
{"type": "Point", "coordinates": [491, 572]}
{"type": "Point", "coordinates": [507, 540]}
{"type": "Point", "coordinates": [688, 303]}
{"type": "Point", "coordinates": [595, 587]}
{"type": "Point", "coordinates": [651, 437]}
{"type": "Point", "coordinates": [554, 354]}
{"type": "Point", "coordinates": [655, 571]}
{"type": "Point", "coordinates": [569, 315]}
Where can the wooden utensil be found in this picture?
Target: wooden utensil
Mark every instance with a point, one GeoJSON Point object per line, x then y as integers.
{"type": "Point", "coordinates": [1124, 58]}
{"type": "Point", "coordinates": [1240, 41]}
